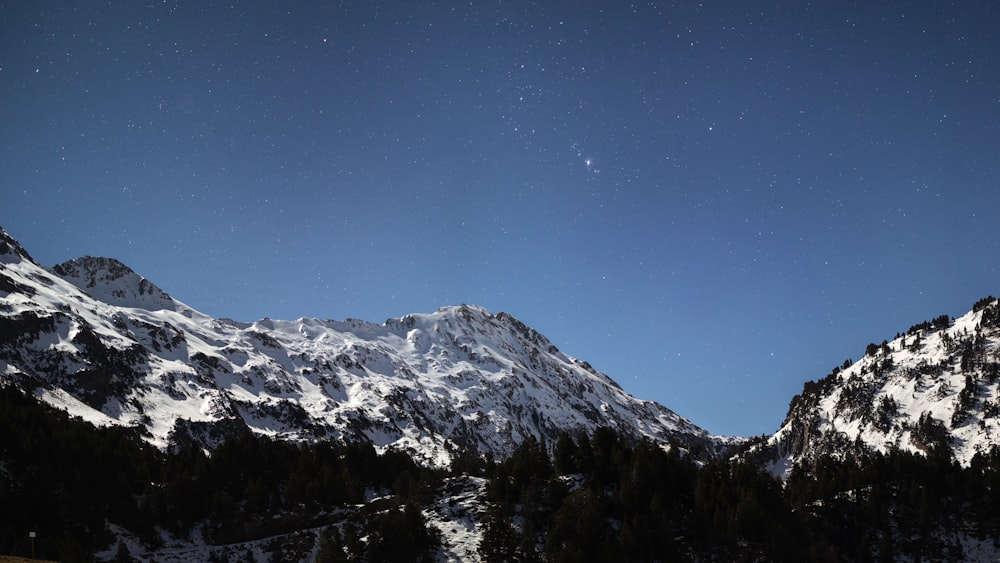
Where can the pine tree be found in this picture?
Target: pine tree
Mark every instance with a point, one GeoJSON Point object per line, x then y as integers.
{"type": "Point", "coordinates": [122, 554]}
{"type": "Point", "coordinates": [565, 455]}
{"type": "Point", "coordinates": [500, 541]}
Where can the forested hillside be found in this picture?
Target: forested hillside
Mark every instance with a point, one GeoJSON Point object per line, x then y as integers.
{"type": "Point", "coordinates": [598, 497]}
{"type": "Point", "coordinates": [81, 489]}
{"type": "Point", "coordinates": [934, 387]}
{"type": "Point", "coordinates": [603, 499]}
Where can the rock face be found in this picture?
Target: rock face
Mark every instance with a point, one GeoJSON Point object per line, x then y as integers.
{"type": "Point", "coordinates": [95, 338]}
{"type": "Point", "coordinates": [935, 388]}
{"type": "Point", "coordinates": [114, 283]}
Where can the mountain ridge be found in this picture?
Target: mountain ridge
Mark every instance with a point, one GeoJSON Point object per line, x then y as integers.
{"type": "Point", "coordinates": [97, 339]}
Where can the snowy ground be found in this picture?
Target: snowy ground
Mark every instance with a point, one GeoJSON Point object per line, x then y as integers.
{"type": "Point", "coordinates": [456, 514]}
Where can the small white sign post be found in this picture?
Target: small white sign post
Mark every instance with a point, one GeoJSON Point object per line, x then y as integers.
{"type": "Point", "coordinates": [32, 536]}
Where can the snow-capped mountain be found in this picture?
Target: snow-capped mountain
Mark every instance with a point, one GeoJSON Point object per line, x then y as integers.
{"type": "Point", "coordinates": [93, 337]}
{"type": "Point", "coordinates": [935, 387]}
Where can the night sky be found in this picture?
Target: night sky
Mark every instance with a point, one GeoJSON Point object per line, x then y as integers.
{"type": "Point", "coordinates": [711, 202]}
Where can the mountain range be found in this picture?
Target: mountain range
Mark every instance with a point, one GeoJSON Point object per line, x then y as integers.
{"type": "Point", "coordinates": [101, 342]}
{"type": "Point", "coordinates": [296, 440]}
{"type": "Point", "coordinates": [98, 340]}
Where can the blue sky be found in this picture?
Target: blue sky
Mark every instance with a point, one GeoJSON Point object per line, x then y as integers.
{"type": "Point", "coordinates": [712, 203]}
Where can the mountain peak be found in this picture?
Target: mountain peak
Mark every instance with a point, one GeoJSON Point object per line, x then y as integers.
{"type": "Point", "coordinates": [11, 250]}
{"type": "Point", "coordinates": [114, 283]}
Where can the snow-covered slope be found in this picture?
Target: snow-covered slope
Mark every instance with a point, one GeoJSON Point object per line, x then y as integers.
{"type": "Point", "coordinates": [937, 386]}
{"type": "Point", "coordinates": [112, 282]}
{"type": "Point", "coordinates": [93, 337]}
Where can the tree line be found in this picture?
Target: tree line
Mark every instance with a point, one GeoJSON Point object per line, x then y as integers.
{"type": "Point", "coordinates": [65, 480]}
{"type": "Point", "coordinates": [588, 497]}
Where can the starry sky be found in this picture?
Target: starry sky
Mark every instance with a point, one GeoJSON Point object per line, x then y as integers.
{"type": "Point", "coordinates": [712, 202]}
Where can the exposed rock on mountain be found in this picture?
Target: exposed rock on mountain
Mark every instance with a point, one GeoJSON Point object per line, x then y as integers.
{"type": "Point", "coordinates": [934, 389]}
{"type": "Point", "coordinates": [112, 282]}
{"type": "Point", "coordinates": [95, 338]}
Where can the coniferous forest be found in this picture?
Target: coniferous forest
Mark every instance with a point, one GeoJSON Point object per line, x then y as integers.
{"type": "Point", "coordinates": [592, 497]}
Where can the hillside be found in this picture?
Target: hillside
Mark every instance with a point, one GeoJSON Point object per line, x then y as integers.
{"type": "Point", "coordinates": [933, 389]}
